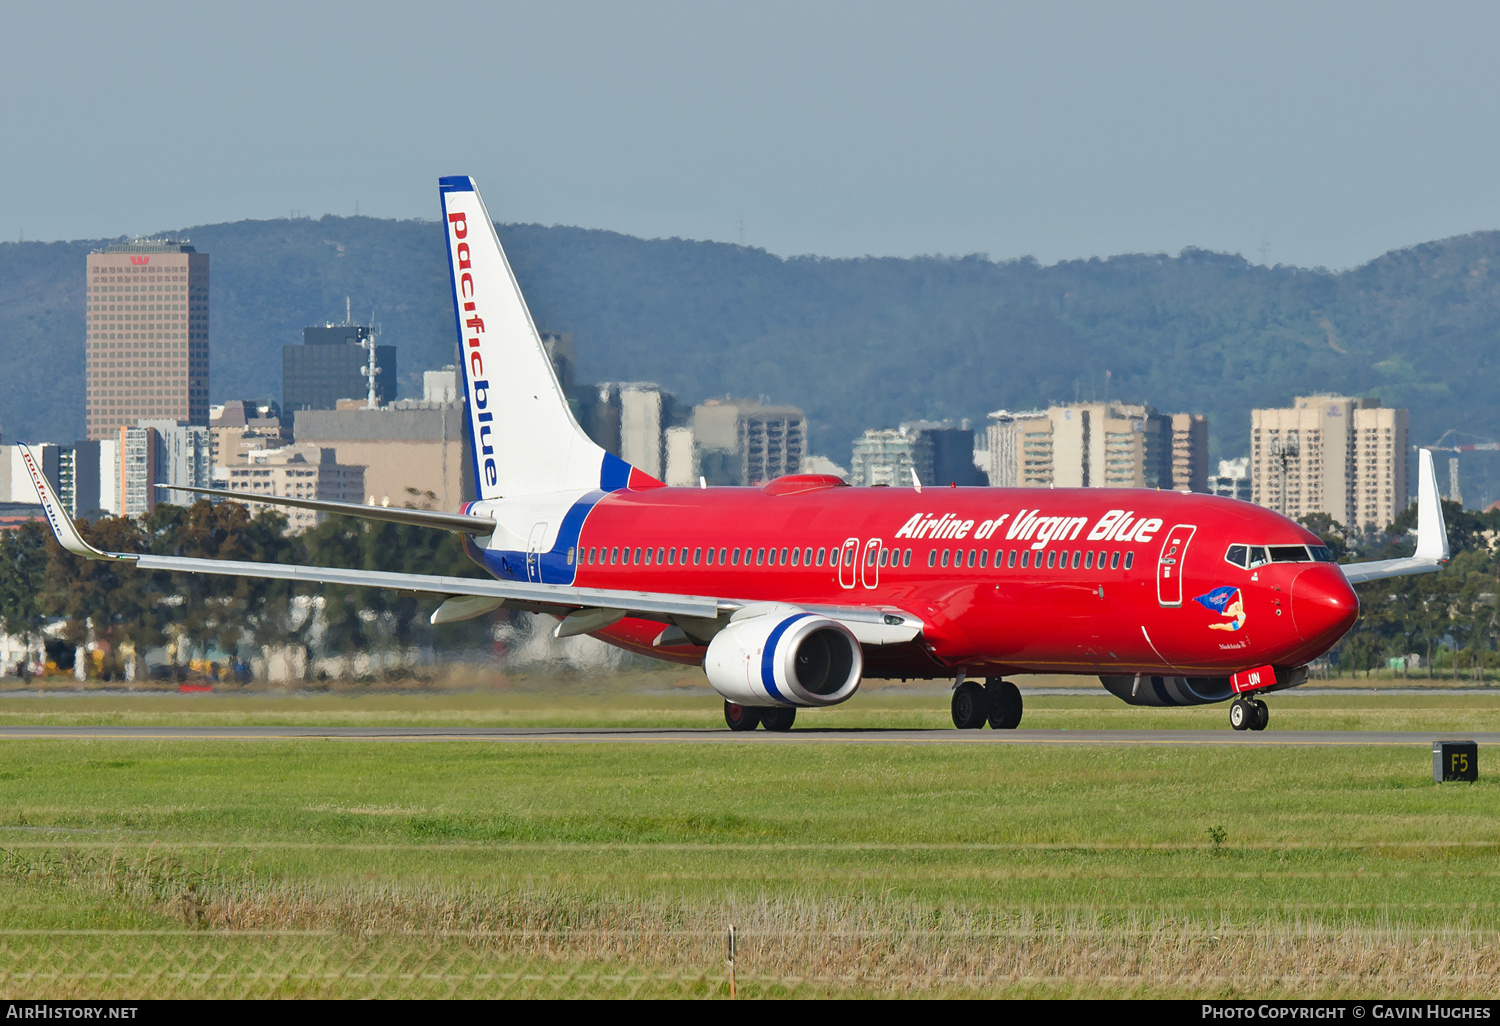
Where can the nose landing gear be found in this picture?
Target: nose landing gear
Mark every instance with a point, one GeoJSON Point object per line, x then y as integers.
{"type": "Point", "coordinates": [1249, 714]}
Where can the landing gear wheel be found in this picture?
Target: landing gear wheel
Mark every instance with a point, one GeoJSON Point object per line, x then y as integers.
{"type": "Point", "coordinates": [1005, 704]}
{"type": "Point", "coordinates": [1262, 715]}
{"type": "Point", "coordinates": [1241, 714]}
{"type": "Point", "coordinates": [741, 717]}
{"type": "Point", "coordinates": [970, 709]}
{"type": "Point", "coordinates": [777, 718]}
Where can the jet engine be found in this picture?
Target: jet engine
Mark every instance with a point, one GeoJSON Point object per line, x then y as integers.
{"type": "Point", "coordinates": [1147, 690]}
{"type": "Point", "coordinates": [1168, 690]}
{"type": "Point", "coordinates": [784, 657]}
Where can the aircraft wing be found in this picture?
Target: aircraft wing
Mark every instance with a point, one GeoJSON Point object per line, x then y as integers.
{"type": "Point", "coordinates": [1432, 535]}
{"type": "Point", "coordinates": [698, 616]}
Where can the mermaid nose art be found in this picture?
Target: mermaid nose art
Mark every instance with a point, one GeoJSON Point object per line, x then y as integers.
{"type": "Point", "coordinates": [1324, 607]}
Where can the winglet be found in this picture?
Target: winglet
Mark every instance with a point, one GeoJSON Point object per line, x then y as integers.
{"type": "Point", "coordinates": [1432, 532]}
{"type": "Point", "coordinates": [62, 524]}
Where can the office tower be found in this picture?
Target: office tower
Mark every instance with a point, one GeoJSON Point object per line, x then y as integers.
{"type": "Point", "coordinates": [332, 363]}
{"type": "Point", "coordinates": [1343, 456]}
{"type": "Point", "coordinates": [147, 335]}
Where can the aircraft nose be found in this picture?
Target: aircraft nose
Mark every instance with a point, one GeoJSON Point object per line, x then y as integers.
{"type": "Point", "coordinates": [1323, 603]}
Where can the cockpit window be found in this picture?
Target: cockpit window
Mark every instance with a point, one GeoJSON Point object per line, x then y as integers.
{"type": "Point", "coordinates": [1239, 555]}
{"type": "Point", "coordinates": [1258, 556]}
{"type": "Point", "coordinates": [1289, 554]}
{"type": "Point", "coordinates": [1321, 553]}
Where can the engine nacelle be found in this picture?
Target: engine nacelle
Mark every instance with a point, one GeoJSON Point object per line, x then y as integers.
{"type": "Point", "coordinates": [1159, 691]}
{"type": "Point", "coordinates": [784, 656]}
{"type": "Point", "coordinates": [1168, 690]}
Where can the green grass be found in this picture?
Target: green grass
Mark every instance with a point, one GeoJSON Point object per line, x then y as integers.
{"type": "Point", "coordinates": [328, 868]}
{"type": "Point", "coordinates": [695, 705]}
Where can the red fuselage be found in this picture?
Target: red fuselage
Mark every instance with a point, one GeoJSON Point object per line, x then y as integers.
{"type": "Point", "coordinates": [1085, 581]}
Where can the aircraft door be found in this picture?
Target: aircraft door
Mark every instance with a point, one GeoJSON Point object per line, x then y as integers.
{"type": "Point", "coordinates": [1169, 564]}
{"type": "Point", "coordinates": [869, 567]}
{"type": "Point", "coordinates": [534, 552]}
{"type": "Point", "coordinates": [848, 556]}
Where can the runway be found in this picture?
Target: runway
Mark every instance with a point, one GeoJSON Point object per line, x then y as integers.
{"type": "Point", "coordinates": [641, 735]}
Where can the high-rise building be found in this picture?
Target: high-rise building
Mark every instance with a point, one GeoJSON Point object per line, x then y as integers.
{"type": "Point", "coordinates": [332, 363]}
{"type": "Point", "coordinates": [161, 452]}
{"type": "Point", "coordinates": [1189, 452]}
{"type": "Point", "coordinates": [883, 456]}
{"type": "Point", "coordinates": [1233, 479]}
{"type": "Point", "coordinates": [939, 453]}
{"type": "Point", "coordinates": [1020, 448]}
{"type": "Point", "coordinates": [745, 442]}
{"type": "Point", "coordinates": [408, 448]}
{"type": "Point", "coordinates": [298, 472]}
{"type": "Point", "coordinates": [1343, 456]}
{"type": "Point", "coordinates": [147, 336]}
{"type": "Point", "coordinates": [1096, 445]}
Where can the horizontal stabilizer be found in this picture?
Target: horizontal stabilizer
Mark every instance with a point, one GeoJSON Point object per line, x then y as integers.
{"type": "Point", "coordinates": [464, 522]}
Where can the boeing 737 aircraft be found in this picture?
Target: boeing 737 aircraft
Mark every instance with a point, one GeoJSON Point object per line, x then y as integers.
{"type": "Point", "coordinates": [791, 594]}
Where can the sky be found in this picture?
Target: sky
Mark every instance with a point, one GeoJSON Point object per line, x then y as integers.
{"type": "Point", "coordinates": [1315, 134]}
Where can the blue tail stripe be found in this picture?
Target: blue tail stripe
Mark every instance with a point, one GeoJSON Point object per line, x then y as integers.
{"type": "Point", "coordinates": [614, 474]}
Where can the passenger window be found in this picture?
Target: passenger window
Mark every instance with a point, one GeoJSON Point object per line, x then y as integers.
{"type": "Point", "coordinates": [722, 554]}
{"type": "Point", "coordinates": [637, 559]}
{"type": "Point", "coordinates": [760, 557]}
{"type": "Point", "coordinates": [820, 557]}
{"type": "Point", "coordinates": [1129, 559]}
{"type": "Point", "coordinates": [734, 557]}
{"type": "Point", "coordinates": [944, 560]}
{"type": "Point", "coordinates": [1010, 560]}
{"type": "Point", "coordinates": [783, 557]}
{"type": "Point", "coordinates": [698, 555]}
{"type": "Point", "coordinates": [1088, 561]}
{"type": "Point", "coordinates": [984, 558]}
{"type": "Point", "coordinates": [660, 555]}
{"type": "Point", "coordinates": [796, 557]}
{"type": "Point", "coordinates": [870, 558]}
{"type": "Point", "coordinates": [906, 559]}
{"type": "Point", "coordinates": [807, 556]}
{"type": "Point", "coordinates": [1052, 559]}
{"type": "Point", "coordinates": [570, 555]}
{"type": "Point", "coordinates": [1102, 557]}
{"type": "Point", "coordinates": [1258, 556]}
{"type": "Point", "coordinates": [1239, 555]}
{"type": "Point", "coordinates": [648, 557]}
{"type": "Point", "coordinates": [1114, 561]}
{"type": "Point", "coordinates": [1025, 558]}
{"type": "Point", "coordinates": [614, 555]}
{"type": "Point", "coordinates": [932, 557]}
{"type": "Point", "coordinates": [682, 557]}
{"type": "Point", "coordinates": [885, 557]}
{"type": "Point", "coordinates": [671, 557]}
{"type": "Point", "coordinates": [1077, 557]}
{"type": "Point", "coordinates": [972, 556]}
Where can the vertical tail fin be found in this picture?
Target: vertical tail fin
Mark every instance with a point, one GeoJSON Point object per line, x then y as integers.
{"type": "Point", "coordinates": [524, 437]}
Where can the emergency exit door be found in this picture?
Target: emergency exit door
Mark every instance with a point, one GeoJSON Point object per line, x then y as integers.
{"type": "Point", "coordinates": [1169, 564]}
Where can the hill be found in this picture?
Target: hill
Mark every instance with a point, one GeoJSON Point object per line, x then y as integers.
{"type": "Point", "coordinates": [856, 343]}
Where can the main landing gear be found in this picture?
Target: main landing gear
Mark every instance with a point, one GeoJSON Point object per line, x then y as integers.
{"type": "Point", "coordinates": [1249, 714]}
{"type": "Point", "coordinates": [748, 717]}
{"type": "Point", "coordinates": [997, 702]}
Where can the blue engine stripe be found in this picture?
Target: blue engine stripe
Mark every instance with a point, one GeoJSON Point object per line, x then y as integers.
{"type": "Point", "coordinates": [768, 657]}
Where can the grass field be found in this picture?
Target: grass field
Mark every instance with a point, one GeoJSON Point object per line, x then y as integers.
{"type": "Point", "coordinates": [339, 868]}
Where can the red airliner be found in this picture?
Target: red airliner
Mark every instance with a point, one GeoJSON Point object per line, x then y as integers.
{"type": "Point", "coordinates": [790, 594]}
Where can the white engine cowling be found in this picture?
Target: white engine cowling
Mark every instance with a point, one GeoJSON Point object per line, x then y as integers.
{"type": "Point", "coordinates": [784, 656]}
